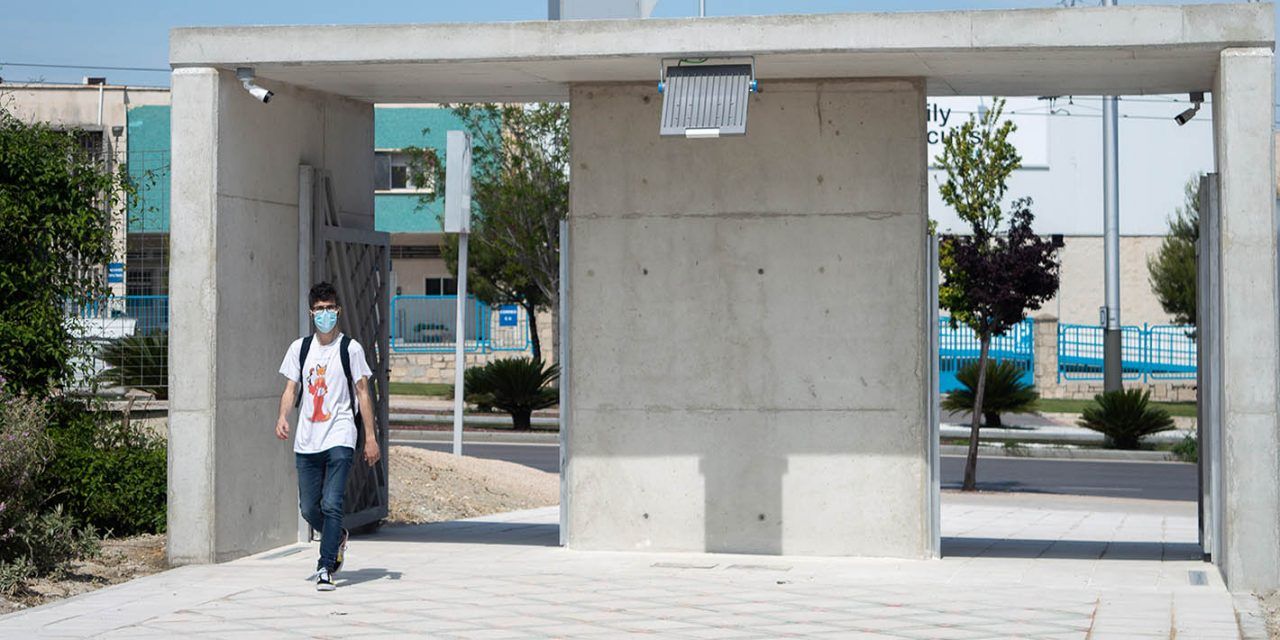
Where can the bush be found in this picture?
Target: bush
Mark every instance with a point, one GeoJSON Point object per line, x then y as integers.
{"type": "Point", "coordinates": [138, 362]}
{"type": "Point", "coordinates": [518, 386]}
{"type": "Point", "coordinates": [33, 540]}
{"type": "Point", "coordinates": [1188, 450]}
{"type": "Point", "coordinates": [1124, 417]}
{"type": "Point", "coordinates": [110, 473]}
{"type": "Point", "coordinates": [1005, 391]}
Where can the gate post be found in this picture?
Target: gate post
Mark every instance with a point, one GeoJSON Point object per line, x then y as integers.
{"type": "Point", "coordinates": [1045, 353]}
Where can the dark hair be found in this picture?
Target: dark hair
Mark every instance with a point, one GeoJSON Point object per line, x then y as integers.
{"type": "Point", "coordinates": [322, 292]}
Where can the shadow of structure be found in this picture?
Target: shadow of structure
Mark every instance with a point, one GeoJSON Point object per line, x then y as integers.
{"type": "Point", "coordinates": [473, 532]}
{"type": "Point", "coordinates": [1068, 549]}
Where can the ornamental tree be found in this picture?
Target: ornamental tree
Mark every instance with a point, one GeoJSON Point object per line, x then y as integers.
{"type": "Point", "coordinates": [995, 274]}
{"type": "Point", "coordinates": [1172, 270]}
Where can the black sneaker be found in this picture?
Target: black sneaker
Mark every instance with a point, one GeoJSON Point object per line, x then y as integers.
{"type": "Point", "coordinates": [342, 549]}
{"type": "Point", "coordinates": [324, 582]}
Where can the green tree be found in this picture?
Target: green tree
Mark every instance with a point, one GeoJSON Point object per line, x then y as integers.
{"type": "Point", "coordinates": [1172, 270]}
{"type": "Point", "coordinates": [990, 277]}
{"type": "Point", "coordinates": [55, 208]}
{"type": "Point", "coordinates": [519, 194]}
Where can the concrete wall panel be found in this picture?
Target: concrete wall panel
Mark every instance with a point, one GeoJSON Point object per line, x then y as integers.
{"type": "Point", "coordinates": [747, 325]}
{"type": "Point", "coordinates": [234, 284]}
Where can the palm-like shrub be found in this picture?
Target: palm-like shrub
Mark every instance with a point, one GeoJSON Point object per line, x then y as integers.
{"type": "Point", "coordinates": [138, 362]}
{"type": "Point", "coordinates": [518, 386]}
{"type": "Point", "coordinates": [1124, 417]}
{"type": "Point", "coordinates": [1005, 391]}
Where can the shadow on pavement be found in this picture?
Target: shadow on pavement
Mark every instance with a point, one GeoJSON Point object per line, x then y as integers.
{"type": "Point", "coordinates": [1068, 549]}
{"type": "Point", "coordinates": [348, 578]}
{"type": "Point", "coordinates": [472, 532]}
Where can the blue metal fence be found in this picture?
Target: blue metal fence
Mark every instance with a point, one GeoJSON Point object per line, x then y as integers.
{"type": "Point", "coordinates": [425, 324]}
{"type": "Point", "coordinates": [959, 346]}
{"type": "Point", "coordinates": [1147, 353]}
{"type": "Point", "coordinates": [141, 314]}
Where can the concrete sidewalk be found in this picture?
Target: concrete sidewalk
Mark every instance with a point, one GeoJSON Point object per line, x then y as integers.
{"type": "Point", "coordinates": [1017, 566]}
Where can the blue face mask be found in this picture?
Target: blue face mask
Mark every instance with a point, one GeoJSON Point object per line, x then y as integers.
{"type": "Point", "coordinates": [326, 320]}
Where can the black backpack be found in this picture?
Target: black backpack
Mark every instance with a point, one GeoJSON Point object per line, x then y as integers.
{"type": "Point", "coordinates": [346, 371]}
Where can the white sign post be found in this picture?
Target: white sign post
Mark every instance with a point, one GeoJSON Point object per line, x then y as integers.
{"type": "Point", "coordinates": [457, 219]}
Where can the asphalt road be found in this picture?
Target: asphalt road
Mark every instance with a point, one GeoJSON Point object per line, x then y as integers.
{"type": "Point", "coordinates": [1116, 479]}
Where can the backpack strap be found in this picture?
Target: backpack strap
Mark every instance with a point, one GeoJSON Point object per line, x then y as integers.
{"type": "Point", "coordinates": [345, 354]}
{"type": "Point", "coordinates": [302, 363]}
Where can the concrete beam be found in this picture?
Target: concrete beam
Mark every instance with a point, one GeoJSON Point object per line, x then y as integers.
{"type": "Point", "coordinates": [1250, 309]}
{"type": "Point", "coordinates": [1129, 49]}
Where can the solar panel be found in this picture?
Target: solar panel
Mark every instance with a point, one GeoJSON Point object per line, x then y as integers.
{"type": "Point", "coordinates": [706, 101]}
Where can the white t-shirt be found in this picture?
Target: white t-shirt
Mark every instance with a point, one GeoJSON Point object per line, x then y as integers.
{"type": "Point", "coordinates": [325, 419]}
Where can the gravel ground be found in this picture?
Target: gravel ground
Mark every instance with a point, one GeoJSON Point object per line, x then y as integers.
{"type": "Point", "coordinates": [430, 486]}
{"type": "Point", "coordinates": [1270, 603]}
{"type": "Point", "coordinates": [121, 560]}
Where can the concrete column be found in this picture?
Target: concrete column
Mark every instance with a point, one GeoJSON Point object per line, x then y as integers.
{"type": "Point", "coordinates": [1242, 112]}
{"type": "Point", "coordinates": [749, 333]}
{"type": "Point", "coordinates": [1045, 353]}
{"type": "Point", "coordinates": [234, 298]}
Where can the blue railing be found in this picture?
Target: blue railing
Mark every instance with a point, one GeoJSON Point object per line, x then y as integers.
{"type": "Point", "coordinates": [425, 324]}
{"type": "Point", "coordinates": [959, 346]}
{"type": "Point", "coordinates": [1147, 353]}
{"type": "Point", "coordinates": [147, 314]}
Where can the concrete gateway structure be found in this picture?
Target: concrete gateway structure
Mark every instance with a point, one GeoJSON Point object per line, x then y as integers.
{"type": "Point", "coordinates": [675, 438]}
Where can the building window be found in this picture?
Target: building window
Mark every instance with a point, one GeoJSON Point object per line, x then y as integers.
{"type": "Point", "coordinates": [391, 173]}
{"type": "Point", "coordinates": [441, 287]}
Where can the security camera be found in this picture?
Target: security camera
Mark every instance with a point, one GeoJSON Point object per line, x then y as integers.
{"type": "Point", "coordinates": [246, 77]}
{"type": "Point", "coordinates": [1197, 97]}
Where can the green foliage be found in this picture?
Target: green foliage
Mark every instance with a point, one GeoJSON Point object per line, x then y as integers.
{"type": "Point", "coordinates": [34, 540]}
{"type": "Point", "coordinates": [108, 471]}
{"type": "Point", "coordinates": [1005, 392]}
{"type": "Point", "coordinates": [990, 278]}
{"type": "Point", "coordinates": [518, 386]}
{"type": "Point", "coordinates": [1172, 270]}
{"type": "Point", "coordinates": [138, 362]}
{"type": "Point", "coordinates": [1124, 417]}
{"type": "Point", "coordinates": [1188, 450]}
{"type": "Point", "coordinates": [519, 194]}
{"type": "Point", "coordinates": [55, 204]}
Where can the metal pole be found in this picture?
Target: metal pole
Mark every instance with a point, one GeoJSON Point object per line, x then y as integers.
{"type": "Point", "coordinates": [1111, 363]}
{"type": "Point", "coordinates": [460, 338]}
{"type": "Point", "coordinates": [702, 8]}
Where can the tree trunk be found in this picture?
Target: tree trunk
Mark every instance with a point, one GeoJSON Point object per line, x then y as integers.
{"type": "Point", "coordinates": [534, 341]}
{"type": "Point", "coordinates": [971, 462]}
{"type": "Point", "coordinates": [993, 420]}
{"type": "Point", "coordinates": [522, 420]}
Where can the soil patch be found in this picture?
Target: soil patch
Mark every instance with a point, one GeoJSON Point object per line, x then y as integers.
{"type": "Point", "coordinates": [121, 560]}
{"type": "Point", "coordinates": [431, 486]}
{"type": "Point", "coordinates": [1270, 603]}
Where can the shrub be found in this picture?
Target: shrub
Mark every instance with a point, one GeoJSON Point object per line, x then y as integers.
{"type": "Point", "coordinates": [1124, 417]}
{"type": "Point", "coordinates": [33, 540]}
{"type": "Point", "coordinates": [1188, 450]}
{"type": "Point", "coordinates": [1005, 391]}
{"type": "Point", "coordinates": [518, 386]}
{"type": "Point", "coordinates": [108, 472]}
{"type": "Point", "coordinates": [138, 362]}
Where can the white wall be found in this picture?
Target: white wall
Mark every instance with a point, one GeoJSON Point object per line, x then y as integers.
{"type": "Point", "coordinates": [747, 366]}
{"type": "Point", "coordinates": [1157, 157]}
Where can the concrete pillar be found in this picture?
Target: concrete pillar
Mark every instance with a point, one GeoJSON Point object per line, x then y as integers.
{"type": "Point", "coordinates": [1242, 96]}
{"type": "Point", "coordinates": [1045, 341]}
{"type": "Point", "coordinates": [234, 298]}
{"type": "Point", "coordinates": [748, 332]}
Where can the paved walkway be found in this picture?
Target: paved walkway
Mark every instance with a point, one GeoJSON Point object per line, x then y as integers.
{"type": "Point", "coordinates": [1020, 566]}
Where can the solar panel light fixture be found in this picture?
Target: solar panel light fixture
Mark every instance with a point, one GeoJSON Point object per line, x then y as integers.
{"type": "Point", "coordinates": [702, 100]}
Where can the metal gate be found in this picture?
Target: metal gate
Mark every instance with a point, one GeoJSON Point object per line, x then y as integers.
{"type": "Point", "coordinates": [1209, 369]}
{"type": "Point", "coordinates": [358, 263]}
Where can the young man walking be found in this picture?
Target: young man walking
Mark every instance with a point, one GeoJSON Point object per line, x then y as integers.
{"type": "Point", "coordinates": [334, 375]}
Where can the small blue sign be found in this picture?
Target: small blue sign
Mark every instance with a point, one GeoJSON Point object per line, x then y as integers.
{"type": "Point", "coordinates": [115, 273]}
{"type": "Point", "coordinates": [508, 315]}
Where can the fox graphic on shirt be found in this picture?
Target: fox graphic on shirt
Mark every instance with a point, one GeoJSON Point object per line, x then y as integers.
{"type": "Point", "coordinates": [319, 388]}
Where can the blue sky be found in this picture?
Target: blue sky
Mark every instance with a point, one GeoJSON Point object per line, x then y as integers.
{"type": "Point", "coordinates": [135, 33]}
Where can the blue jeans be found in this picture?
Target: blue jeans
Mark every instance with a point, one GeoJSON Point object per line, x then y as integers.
{"type": "Point", "coordinates": [322, 480]}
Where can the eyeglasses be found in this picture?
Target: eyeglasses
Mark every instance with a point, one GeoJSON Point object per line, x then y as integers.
{"type": "Point", "coordinates": [324, 307]}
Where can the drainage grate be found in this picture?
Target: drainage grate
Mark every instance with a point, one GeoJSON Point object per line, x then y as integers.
{"type": "Point", "coordinates": [682, 565]}
{"type": "Point", "coordinates": [1198, 578]}
{"type": "Point", "coordinates": [759, 567]}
